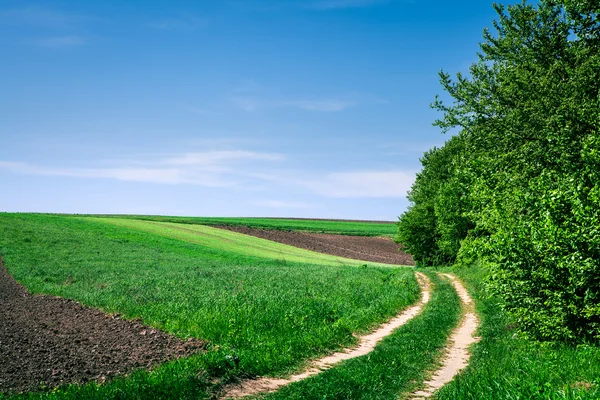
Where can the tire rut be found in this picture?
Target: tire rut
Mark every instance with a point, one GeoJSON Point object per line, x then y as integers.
{"type": "Point", "coordinates": [457, 351]}
{"type": "Point", "coordinates": [366, 344]}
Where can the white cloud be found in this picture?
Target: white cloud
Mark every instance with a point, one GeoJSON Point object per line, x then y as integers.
{"type": "Point", "coordinates": [217, 158]}
{"type": "Point", "coordinates": [240, 169]}
{"type": "Point", "coordinates": [281, 204]}
{"type": "Point", "coordinates": [212, 169]}
{"type": "Point", "coordinates": [172, 176]}
{"type": "Point", "coordinates": [393, 183]}
{"type": "Point", "coordinates": [352, 184]}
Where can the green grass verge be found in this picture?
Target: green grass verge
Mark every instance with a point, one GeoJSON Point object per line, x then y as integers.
{"type": "Point", "coordinates": [231, 242]}
{"type": "Point", "coordinates": [506, 366]}
{"type": "Point", "coordinates": [352, 228]}
{"type": "Point", "coordinates": [269, 313]}
{"type": "Point", "coordinates": [400, 360]}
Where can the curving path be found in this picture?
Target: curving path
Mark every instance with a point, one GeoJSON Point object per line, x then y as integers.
{"type": "Point", "coordinates": [366, 344]}
{"type": "Point", "coordinates": [457, 351]}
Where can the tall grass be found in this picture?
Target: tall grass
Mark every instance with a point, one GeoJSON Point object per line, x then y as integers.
{"type": "Point", "coordinates": [397, 363]}
{"type": "Point", "coordinates": [270, 314]}
{"type": "Point", "coordinates": [506, 366]}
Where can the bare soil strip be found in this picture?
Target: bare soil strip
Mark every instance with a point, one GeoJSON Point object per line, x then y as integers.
{"type": "Point", "coordinates": [371, 221]}
{"type": "Point", "coordinates": [457, 351]}
{"type": "Point", "coordinates": [374, 249]}
{"type": "Point", "coordinates": [366, 344]}
{"type": "Point", "coordinates": [48, 341]}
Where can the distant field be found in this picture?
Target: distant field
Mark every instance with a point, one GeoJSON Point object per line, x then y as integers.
{"type": "Point", "coordinates": [231, 242]}
{"type": "Point", "coordinates": [353, 228]}
{"type": "Point", "coordinates": [266, 310]}
{"type": "Point", "coordinates": [270, 314]}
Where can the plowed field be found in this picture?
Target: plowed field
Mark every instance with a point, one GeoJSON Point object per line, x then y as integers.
{"type": "Point", "coordinates": [374, 249]}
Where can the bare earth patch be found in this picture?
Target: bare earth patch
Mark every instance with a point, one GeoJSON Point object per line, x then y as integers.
{"type": "Point", "coordinates": [374, 249]}
{"type": "Point", "coordinates": [48, 341]}
{"type": "Point", "coordinates": [457, 352]}
{"type": "Point", "coordinates": [366, 344]}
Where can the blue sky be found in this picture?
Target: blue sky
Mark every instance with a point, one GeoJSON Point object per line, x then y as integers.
{"type": "Point", "coordinates": [313, 108]}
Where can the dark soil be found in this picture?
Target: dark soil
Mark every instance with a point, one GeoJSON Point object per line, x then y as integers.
{"type": "Point", "coordinates": [49, 341]}
{"type": "Point", "coordinates": [372, 221]}
{"type": "Point", "coordinates": [374, 249]}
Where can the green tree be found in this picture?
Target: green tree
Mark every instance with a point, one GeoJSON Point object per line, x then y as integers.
{"type": "Point", "coordinates": [529, 115]}
{"type": "Point", "coordinates": [433, 226]}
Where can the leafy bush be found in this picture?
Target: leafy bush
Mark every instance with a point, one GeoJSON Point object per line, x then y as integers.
{"type": "Point", "coordinates": [433, 226]}
{"type": "Point", "coordinates": [524, 189]}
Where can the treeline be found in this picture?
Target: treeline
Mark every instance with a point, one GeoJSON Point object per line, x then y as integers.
{"type": "Point", "coordinates": [517, 189]}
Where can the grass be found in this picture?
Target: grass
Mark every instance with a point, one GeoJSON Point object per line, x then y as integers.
{"type": "Point", "coordinates": [352, 228]}
{"type": "Point", "coordinates": [507, 366]}
{"type": "Point", "coordinates": [400, 360]}
{"type": "Point", "coordinates": [272, 314]}
{"type": "Point", "coordinates": [231, 242]}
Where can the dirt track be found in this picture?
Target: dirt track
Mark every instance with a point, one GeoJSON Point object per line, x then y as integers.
{"type": "Point", "coordinates": [48, 341]}
{"type": "Point", "coordinates": [457, 350]}
{"type": "Point", "coordinates": [366, 345]}
{"type": "Point", "coordinates": [374, 249]}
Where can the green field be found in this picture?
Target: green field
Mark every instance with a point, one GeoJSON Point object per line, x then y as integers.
{"type": "Point", "coordinates": [352, 228]}
{"type": "Point", "coordinates": [507, 366]}
{"type": "Point", "coordinates": [275, 308]}
{"type": "Point", "coordinates": [272, 313]}
{"type": "Point", "coordinates": [230, 242]}
{"type": "Point", "coordinates": [397, 364]}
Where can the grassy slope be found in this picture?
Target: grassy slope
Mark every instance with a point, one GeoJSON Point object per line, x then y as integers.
{"type": "Point", "coordinates": [399, 361]}
{"type": "Point", "coordinates": [352, 228]}
{"type": "Point", "coordinates": [231, 242]}
{"type": "Point", "coordinates": [506, 366]}
{"type": "Point", "coordinates": [271, 314]}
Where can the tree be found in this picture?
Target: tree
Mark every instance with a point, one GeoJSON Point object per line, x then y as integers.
{"type": "Point", "coordinates": [529, 116]}
{"type": "Point", "coordinates": [433, 226]}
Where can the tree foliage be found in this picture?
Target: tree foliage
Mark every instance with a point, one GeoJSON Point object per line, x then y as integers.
{"type": "Point", "coordinates": [433, 226]}
{"type": "Point", "coordinates": [521, 194]}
